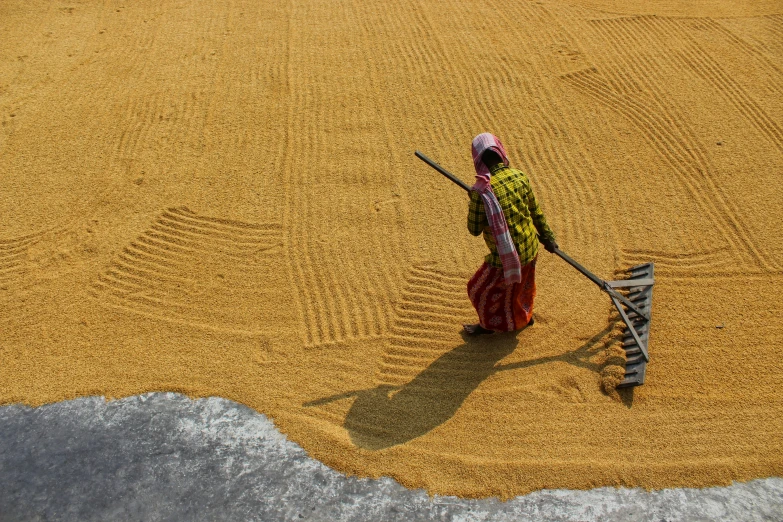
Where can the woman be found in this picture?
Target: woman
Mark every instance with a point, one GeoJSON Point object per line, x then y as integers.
{"type": "Point", "coordinates": [504, 209]}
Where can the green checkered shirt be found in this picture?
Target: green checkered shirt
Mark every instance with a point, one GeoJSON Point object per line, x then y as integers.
{"type": "Point", "coordinates": [523, 215]}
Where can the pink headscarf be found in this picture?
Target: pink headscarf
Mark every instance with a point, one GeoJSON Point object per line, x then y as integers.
{"type": "Point", "coordinates": [482, 143]}
{"type": "Point", "coordinates": [512, 269]}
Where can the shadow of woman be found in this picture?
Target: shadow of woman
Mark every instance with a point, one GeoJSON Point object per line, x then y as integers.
{"type": "Point", "coordinates": [385, 416]}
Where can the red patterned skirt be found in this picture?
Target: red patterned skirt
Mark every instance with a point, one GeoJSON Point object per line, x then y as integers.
{"type": "Point", "coordinates": [503, 308]}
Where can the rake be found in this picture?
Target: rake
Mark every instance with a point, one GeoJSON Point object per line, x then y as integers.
{"type": "Point", "coordinates": [634, 307]}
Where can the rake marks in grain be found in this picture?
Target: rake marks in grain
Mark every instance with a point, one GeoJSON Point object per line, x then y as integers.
{"type": "Point", "coordinates": [190, 268]}
{"type": "Point", "coordinates": [776, 27]}
{"type": "Point", "coordinates": [14, 257]}
{"type": "Point", "coordinates": [690, 54]}
{"type": "Point", "coordinates": [668, 134]}
{"type": "Point", "coordinates": [665, 127]}
{"type": "Point", "coordinates": [751, 51]}
{"type": "Point", "coordinates": [346, 278]}
{"type": "Point", "coordinates": [672, 265]}
{"type": "Point", "coordinates": [428, 317]}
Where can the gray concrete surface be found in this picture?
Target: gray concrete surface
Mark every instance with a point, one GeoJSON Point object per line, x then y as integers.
{"type": "Point", "coordinates": [162, 456]}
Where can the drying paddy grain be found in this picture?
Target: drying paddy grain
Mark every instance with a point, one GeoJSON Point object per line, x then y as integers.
{"type": "Point", "coordinates": [221, 198]}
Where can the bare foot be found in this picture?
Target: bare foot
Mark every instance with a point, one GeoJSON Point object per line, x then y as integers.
{"type": "Point", "coordinates": [476, 329]}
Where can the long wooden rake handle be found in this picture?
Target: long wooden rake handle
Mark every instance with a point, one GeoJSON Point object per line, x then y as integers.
{"type": "Point", "coordinates": [603, 285]}
{"type": "Point", "coordinates": [443, 171]}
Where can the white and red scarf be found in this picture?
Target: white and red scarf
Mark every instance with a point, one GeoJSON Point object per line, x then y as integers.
{"type": "Point", "coordinates": [512, 269]}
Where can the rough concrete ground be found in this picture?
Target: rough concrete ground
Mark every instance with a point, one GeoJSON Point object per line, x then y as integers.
{"type": "Point", "coordinates": [162, 456]}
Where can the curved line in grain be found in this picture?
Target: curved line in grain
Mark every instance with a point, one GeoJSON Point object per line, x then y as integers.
{"type": "Point", "coordinates": [547, 157]}
{"type": "Point", "coordinates": [667, 29]}
{"type": "Point", "coordinates": [195, 230]}
{"type": "Point", "coordinates": [321, 275]}
{"type": "Point", "coordinates": [147, 265]}
{"type": "Point", "coordinates": [424, 302]}
{"type": "Point", "coordinates": [223, 225]}
{"type": "Point", "coordinates": [25, 240]}
{"type": "Point", "coordinates": [776, 27]}
{"type": "Point", "coordinates": [354, 315]}
{"type": "Point", "coordinates": [622, 39]}
{"type": "Point", "coordinates": [380, 313]}
{"type": "Point", "coordinates": [615, 32]}
{"type": "Point", "coordinates": [433, 285]}
{"type": "Point", "coordinates": [547, 186]}
{"type": "Point", "coordinates": [456, 359]}
{"type": "Point", "coordinates": [153, 277]}
{"type": "Point", "coordinates": [133, 255]}
{"type": "Point", "coordinates": [322, 290]}
{"type": "Point", "coordinates": [673, 256]}
{"type": "Point", "coordinates": [613, 101]}
{"type": "Point", "coordinates": [730, 232]}
{"type": "Point", "coordinates": [143, 244]}
{"type": "Point", "coordinates": [443, 277]}
{"type": "Point", "coordinates": [347, 301]}
{"type": "Point", "coordinates": [296, 275]}
{"type": "Point", "coordinates": [390, 245]}
{"type": "Point", "coordinates": [584, 193]}
{"type": "Point", "coordinates": [11, 249]}
{"type": "Point", "coordinates": [11, 261]}
{"type": "Point", "coordinates": [202, 239]}
{"type": "Point", "coordinates": [413, 341]}
{"type": "Point", "coordinates": [445, 303]}
{"type": "Point", "coordinates": [311, 250]}
{"type": "Point", "coordinates": [140, 284]}
{"type": "Point", "coordinates": [375, 305]}
{"type": "Point", "coordinates": [318, 302]}
{"type": "Point", "coordinates": [685, 264]}
{"type": "Point", "coordinates": [107, 283]}
{"type": "Point", "coordinates": [132, 265]}
{"type": "Point", "coordinates": [323, 415]}
{"type": "Point", "coordinates": [403, 370]}
{"type": "Point", "coordinates": [7, 272]}
{"type": "Point", "coordinates": [430, 322]}
{"type": "Point", "coordinates": [311, 323]}
{"type": "Point", "coordinates": [453, 296]}
{"type": "Point", "coordinates": [136, 297]}
{"type": "Point", "coordinates": [552, 158]}
{"type": "Point", "coordinates": [705, 66]}
{"type": "Point", "coordinates": [16, 257]}
{"type": "Point", "coordinates": [417, 306]}
{"type": "Point", "coordinates": [437, 316]}
{"type": "Point", "coordinates": [392, 371]}
{"type": "Point", "coordinates": [625, 33]}
{"type": "Point", "coordinates": [695, 58]}
{"type": "Point", "coordinates": [460, 89]}
{"type": "Point", "coordinates": [486, 96]}
{"type": "Point", "coordinates": [173, 245]}
{"type": "Point", "coordinates": [178, 319]}
{"type": "Point", "coordinates": [413, 351]}
{"type": "Point", "coordinates": [433, 380]}
{"type": "Point", "coordinates": [691, 183]}
{"type": "Point", "coordinates": [747, 48]}
{"type": "Point", "coordinates": [397, 359]}
{"type": "Point", "coordinates": [208, 242]}
{"type": "Point", "coordinates": [402, 329]}
{"type": "Point", "coordinates": [168, 241]}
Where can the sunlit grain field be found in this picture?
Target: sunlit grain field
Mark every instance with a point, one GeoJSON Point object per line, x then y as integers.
{"type": "Point", "coordinates": [221, 198]}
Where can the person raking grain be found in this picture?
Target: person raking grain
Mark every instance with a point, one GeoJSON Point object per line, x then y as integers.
{"type": "Point", "coordinates": [504, 209]}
